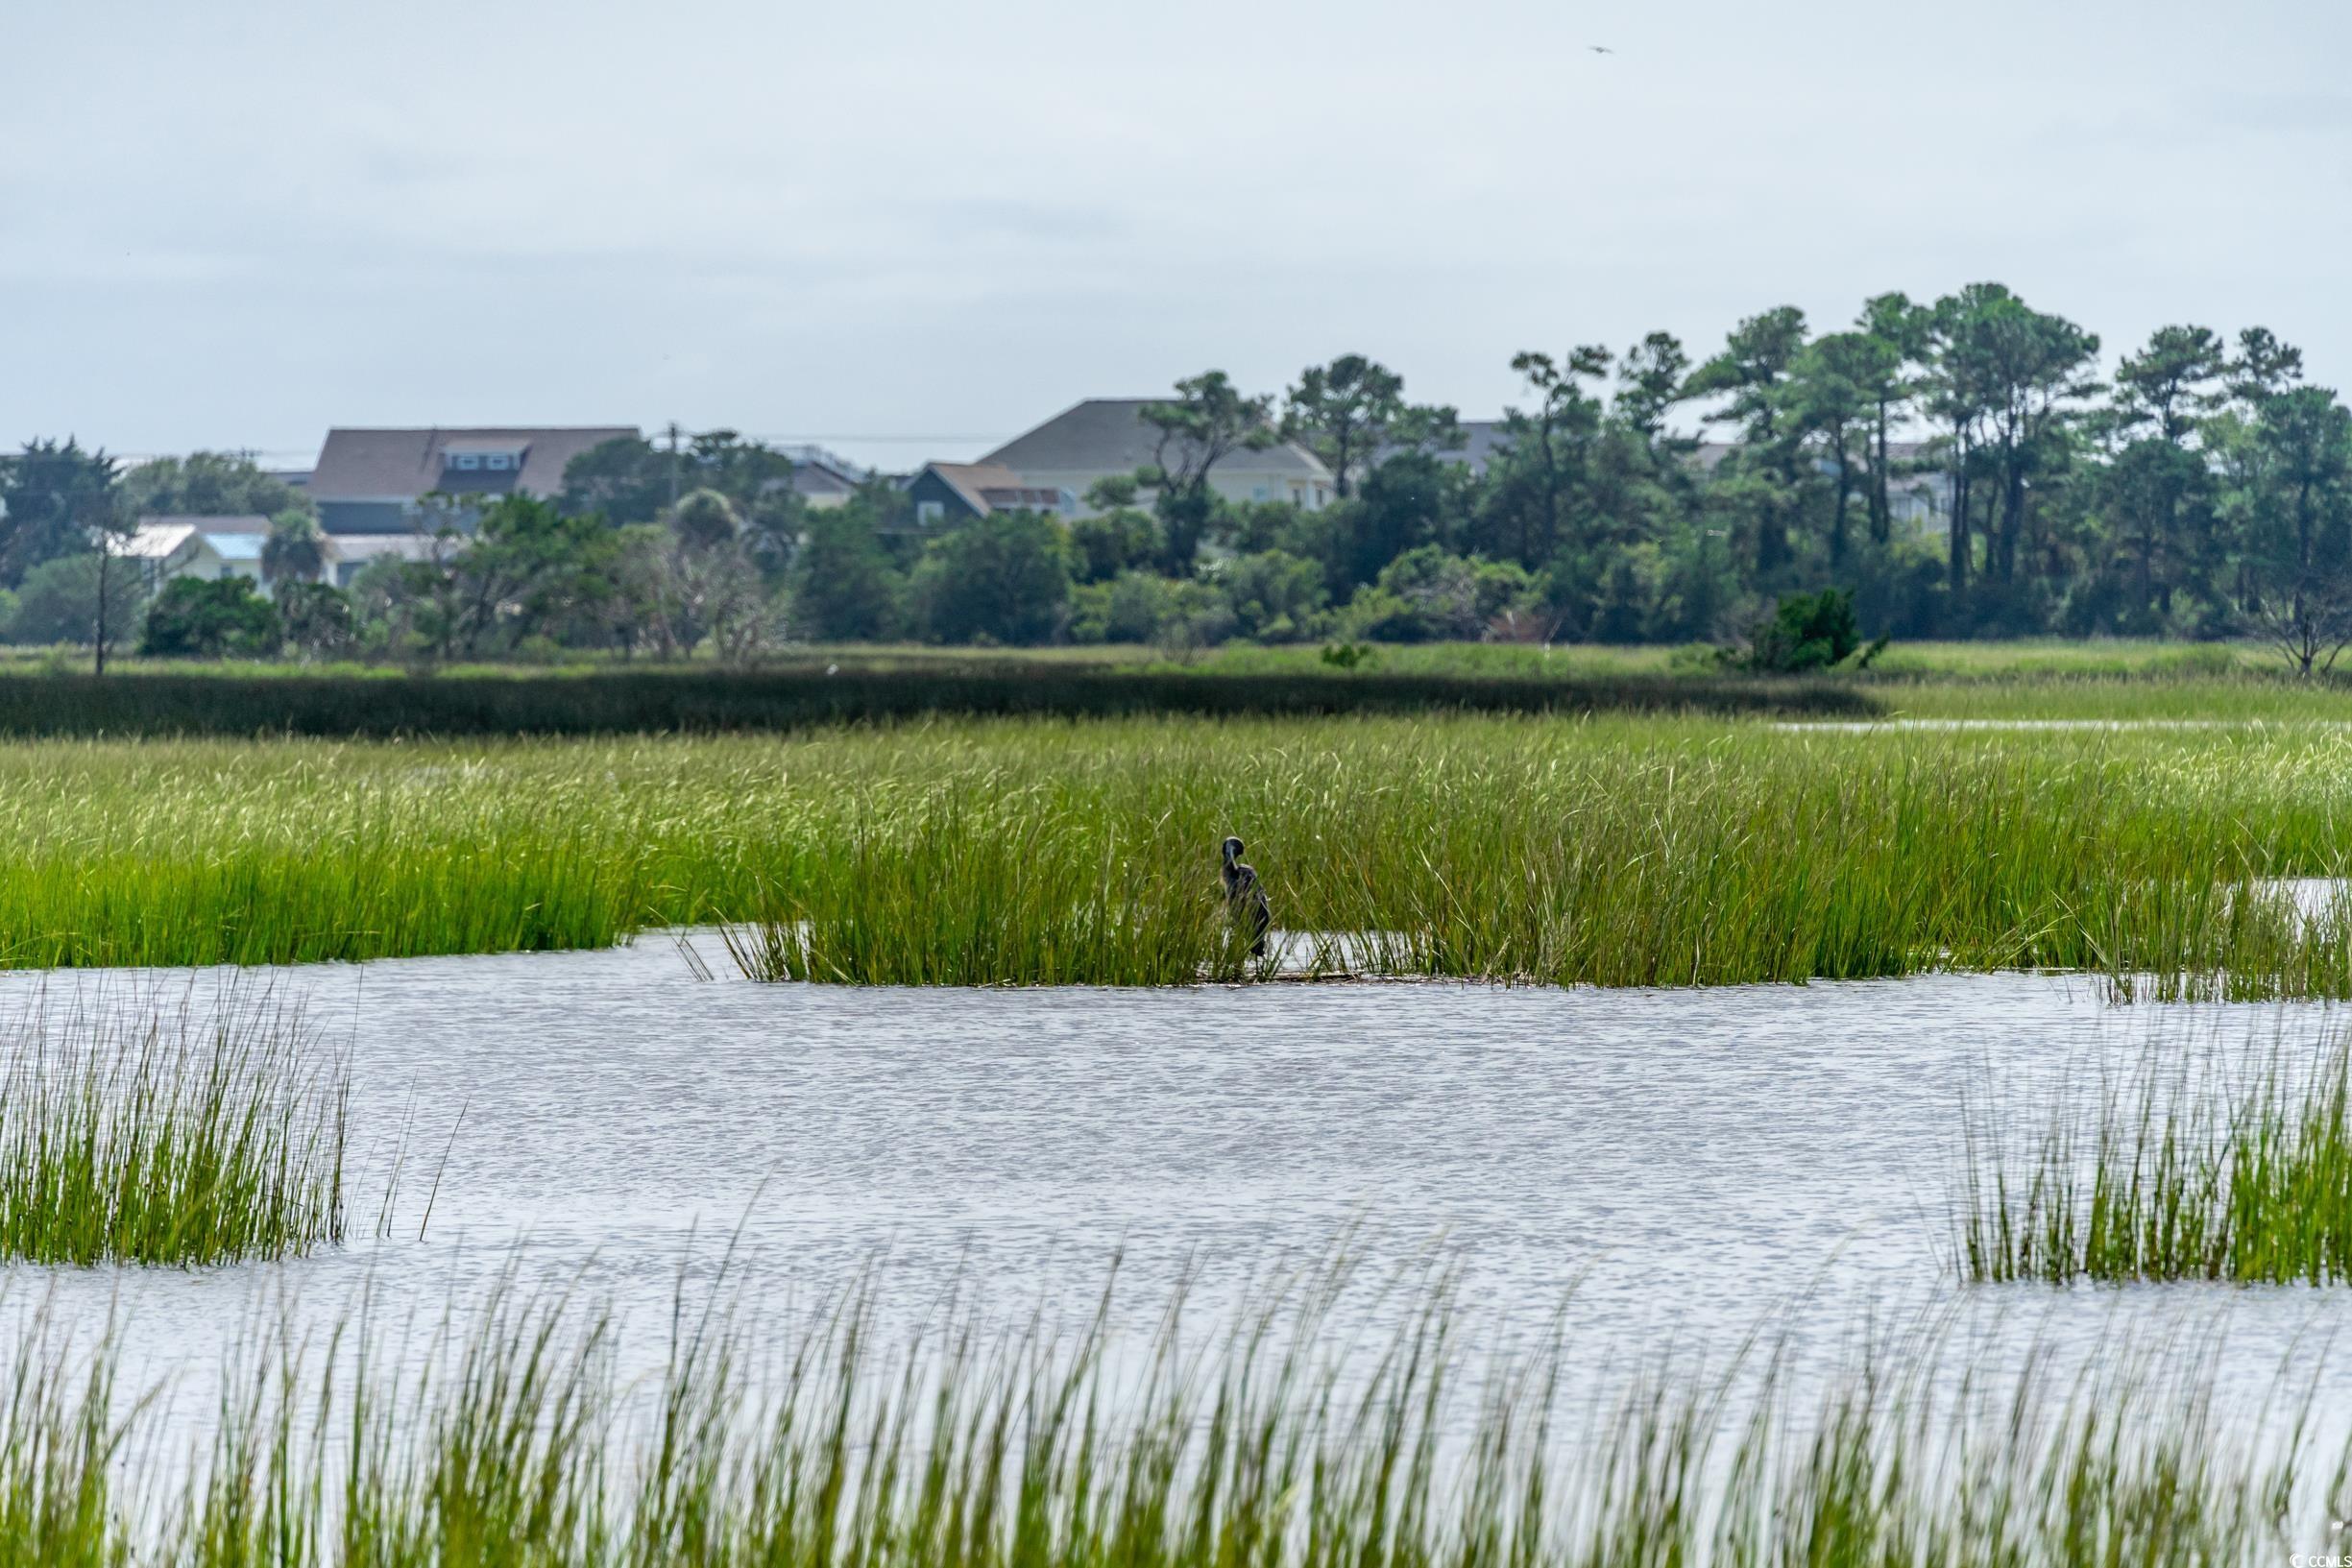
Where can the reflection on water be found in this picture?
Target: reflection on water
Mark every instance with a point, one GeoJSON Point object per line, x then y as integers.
{"type": "Point", "coordinates": [1685, 1162]}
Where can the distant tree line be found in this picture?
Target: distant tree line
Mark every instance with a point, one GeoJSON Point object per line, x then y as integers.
{"type": "Point", "coordinates": [2203, 490]}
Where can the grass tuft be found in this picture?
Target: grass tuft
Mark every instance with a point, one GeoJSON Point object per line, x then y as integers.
{"type": "Point", "coordinates": [172, 1140]}
{"type": "Point", "coordinates": [2171, 1178]}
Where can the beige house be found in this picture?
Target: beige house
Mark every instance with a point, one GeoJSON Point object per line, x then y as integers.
{"type": "Point", "coordinates": [1107, 438]}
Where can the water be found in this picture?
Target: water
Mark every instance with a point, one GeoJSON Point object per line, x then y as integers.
{"type": "Point", "coordinates": [1686, 1165]}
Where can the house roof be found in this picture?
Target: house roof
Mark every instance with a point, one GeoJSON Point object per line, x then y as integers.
{"type": "Point", "coordinates": [402, 465]}
{"type": "Point", "coordinates": [246, 523]}
{"type": "Point", "coordinates": [160, 538]}
{"type": "Point", "coordinates": [986, 486]}
{"type": "Point", "coordinates": [1109, 435]}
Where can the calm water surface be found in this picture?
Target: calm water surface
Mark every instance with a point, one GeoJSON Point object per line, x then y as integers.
{"type": "Point", "coordinates": [1684, 1165]}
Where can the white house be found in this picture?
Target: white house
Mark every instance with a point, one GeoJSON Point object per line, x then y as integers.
{"type": "Point", "coordinates": [208, 548]}
{"type": "Point", "coordinates": [1107, 438]}
{"type": "Point", "coordinates": [202, 547]}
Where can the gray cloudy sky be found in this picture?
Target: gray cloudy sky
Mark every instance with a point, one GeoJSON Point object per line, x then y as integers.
{"type": "Point", "coordinates": [234, 224]}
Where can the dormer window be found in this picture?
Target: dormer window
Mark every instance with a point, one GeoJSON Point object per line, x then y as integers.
{"type": "Point", "coordinates": [465, 460]}
{"type": "Point", "coordinates": [496, 459]}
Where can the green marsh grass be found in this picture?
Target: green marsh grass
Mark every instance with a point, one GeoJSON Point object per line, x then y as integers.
{"type": "Point", "coordinates": [2180, 1174]}
{"type": "Point", "coordinates": [1283, 1444]}
{"type": "Point", "coordinates": [1605, 850]}
{"type": "Point", "coordinates": [168, 1138]}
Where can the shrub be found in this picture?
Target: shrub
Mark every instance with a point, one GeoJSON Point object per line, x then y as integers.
{"type": "Point", "coordinates": [1429, 594]}
{"type": "Point", "coordinates": [1808, 632]}
{"type": "Point", "coordinates": [197, 619]}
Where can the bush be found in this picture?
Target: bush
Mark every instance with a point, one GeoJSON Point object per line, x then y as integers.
{"type": "Point", "coordinates": [58, 602]}
{"type": "Point", "coordinates": [1808, 632]}
{"type": "Point", "coordinates": [1429, 594]}
{"type": "Point", "coordinates": [197, 619]}
{"type": "Point", "coordinates": [1275, 596]}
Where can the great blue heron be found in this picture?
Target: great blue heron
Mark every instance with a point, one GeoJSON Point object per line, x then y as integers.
{"type": "Point", "coordinates": [1246, 899]}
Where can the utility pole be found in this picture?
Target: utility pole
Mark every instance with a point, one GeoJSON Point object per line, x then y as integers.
{"type": "Point", "coordinates": [674, 464]}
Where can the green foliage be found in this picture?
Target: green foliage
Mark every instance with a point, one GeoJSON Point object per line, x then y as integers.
{"type": "Point", "coordinates": [58, 602]}
{"type": "Point", "coordinates": [1003, 578]}
{"type": "Point", "coordinates": [1208, 420]}
{"type": "Point", "coordinates": [1427, 595]}
{"type": "Point", "coordinates": [845, 587]}
{"type": "Point", "coordinates": [1145, 608]}
{"type": "Point", "coordinates": [224, 617]}
{"type": "Point", "coordinates": [209, 485]}
{"type": "Point", "coordinates": [1108, 542]}
{"type": "Point", "coordinates": [1808, 632]}
{"type": "Point", "coordinates": [317, 617]}
{"type": "Point", "coordinates": [51, 495]}
{"type": "Point", "coordinates": [1274, 597]}
{"type": "Point", "coordinates": [295, 550]}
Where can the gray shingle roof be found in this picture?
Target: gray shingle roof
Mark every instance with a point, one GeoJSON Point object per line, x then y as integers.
{"type": "Point", "coordinates": [402, 465]}
{"type": "Point", "coordinates": [1109, 435]}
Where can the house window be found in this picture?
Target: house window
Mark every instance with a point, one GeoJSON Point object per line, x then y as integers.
{"type": "Point", "coordinates": [498, 460]}
{"type": "Point", "coordinates": [927, 514]}
{"type": "Point", "coordinates": [1258, 493]}
{"type": "Point", "coordinates": [465, 460]}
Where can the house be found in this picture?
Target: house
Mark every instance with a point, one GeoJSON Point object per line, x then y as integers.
{"type": "Point", "coordinates": [820, 478]}
{"type": "Point", "coordinates": [944, 494]}
{"type": "Point", "coordinates": [370, 481]}
{"type": "Point", "coordinates": [206, 548]}
{"type": "Point", "coordinates": [1108, 438]}
{"type": "Point", "coordinates": [347, 555]}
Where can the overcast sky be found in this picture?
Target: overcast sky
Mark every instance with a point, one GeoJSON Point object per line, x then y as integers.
{"type": "Point", "coordinates": [909, 230]}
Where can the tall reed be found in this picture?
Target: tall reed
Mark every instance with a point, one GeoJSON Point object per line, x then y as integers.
{"type": "Point", "coordinates": [169, 1138]}
{"type": "Point", "coordinates": [1611, 851]}
{"type": "Point", "coordinates": [1285, 1443]}
{"type": "Point", "coordinates": [2170, 1176]}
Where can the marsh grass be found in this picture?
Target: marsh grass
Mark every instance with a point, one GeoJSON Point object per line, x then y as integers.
{"type": "Point", "coordinates": [169, 1138]}
{"type": "Point", "coordinates": [2174, 1174]}
{"type": "Point", "coordinates": [1608, 851]}
{"type": "Point", "coordinates": [1285, 1442]}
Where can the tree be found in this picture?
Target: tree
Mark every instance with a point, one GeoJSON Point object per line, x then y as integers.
{"type": "Point", "coordinates": [2007, 378]}
{"type": "Point", "coordinates": [1544, 461]}
{"type": "Point", "coordinates": [1353, 412]}
{"type": "Point", "coordinates": [110, 523]}
{"type": "Point", "coordinates": [195, 618]}
{"type": "Point", "coordinates": [48, 493]}
{"type": "Point", "coordinates": [1834, 389]}
{"type": "Point", "coordinates": [317, 618]}
{"type": "Point", "coordinates": [210, 485]}
{"type": "Point", "coordinates": [1003, 578]}
{"type": "Point", "coordinates": [845, 588]}
{"type": "Point", "coordinates": [58, 602]}
{"type": "Point", "coordinates": [295, 551]}
{"type": "Point", "coordinates": [629, 479]}
{"type": "Point", "coordinates": [2299, 545]}
{"type": "Point", "coordinates": [1208, 421]}
{"type": "Point", "coordinates": [1650, 381]}
{"type": "Point", "coordinates": [1901, 330]}
{"type": "Point", "coordinates": [1749, 372]}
